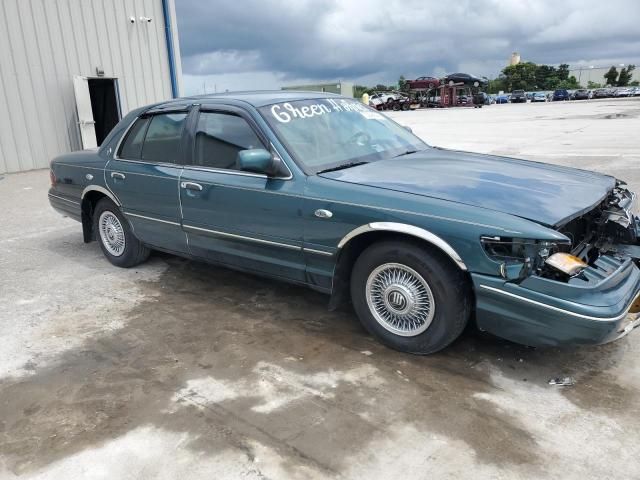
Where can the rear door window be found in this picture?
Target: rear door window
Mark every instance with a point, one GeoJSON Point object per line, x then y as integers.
{"type": "Point", "coordinates": [132, 146]}
{"type": "Point", "coordinates": [164, 135]}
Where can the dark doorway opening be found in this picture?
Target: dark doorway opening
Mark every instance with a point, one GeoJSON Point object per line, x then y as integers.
{"type": "Point", "coordinates": [105, 105]}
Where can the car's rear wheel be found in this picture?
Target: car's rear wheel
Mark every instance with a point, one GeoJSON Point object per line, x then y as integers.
{"type": "Point", "coordinates": [116, 239]}
{"type": "Point", "coordinates": [409, 297]}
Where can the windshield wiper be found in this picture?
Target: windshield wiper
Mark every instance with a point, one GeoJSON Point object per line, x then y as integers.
{"type": "Point", "coordinates": [342, 167]}
{"type": "Point", "coordinates": [408, 152]}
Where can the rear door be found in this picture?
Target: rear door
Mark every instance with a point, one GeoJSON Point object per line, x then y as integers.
{"type": "Point", "coordinates": [243, 219]}
{"type": "Point", "coordinates": [144, 176]}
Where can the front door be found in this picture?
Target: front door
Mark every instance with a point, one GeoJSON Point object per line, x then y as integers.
{"type": "Point", "coordinates": [144, 177]}
{"type": "Point", "coordinates": [242, 219]}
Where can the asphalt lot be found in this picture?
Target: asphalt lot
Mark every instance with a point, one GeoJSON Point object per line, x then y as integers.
{"type": "Point", "coordinates": [182, 370]}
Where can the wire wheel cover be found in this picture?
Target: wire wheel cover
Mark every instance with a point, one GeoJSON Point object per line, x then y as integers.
{"type": "Point", "coordinates": [111, 233]}
{"type": "Point", "coordinates": [400, 299]}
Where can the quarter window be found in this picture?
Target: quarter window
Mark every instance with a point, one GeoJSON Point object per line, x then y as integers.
{"type": "Point", "coordinates": [162, 142]}
{"type": "Point", "coordinates": [132, 145]}
{"type": "Point", "coordinates": [219, 138]}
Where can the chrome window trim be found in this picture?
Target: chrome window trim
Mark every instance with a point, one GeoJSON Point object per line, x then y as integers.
{"type": "Point", "coordinates": [411, 230]}
{"type": "Point", "coordinates": [98, 188]}
{"type": "Point", "coordinates": [243, 237]}
{"type": "Point", "coordinates": [558, 309]}
{"type": "Point", "coordinates": [129, 214]}
{"type": "Point", "coordinates": [227, 172]}
{"type": "Point", "coordinates": [64, 199]}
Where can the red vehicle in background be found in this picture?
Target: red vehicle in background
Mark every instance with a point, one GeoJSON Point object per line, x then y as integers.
{"type": "Point", "coordinates": [423, 83]}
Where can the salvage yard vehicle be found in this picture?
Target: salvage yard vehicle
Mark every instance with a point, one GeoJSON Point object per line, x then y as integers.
{"type": "Point", "coordinates": [560, 95]}
{"type": "Point", "coordinates": [580, 94]}
{"type": "Point", "coordinates": [518, 96]}
{"type": "Point", "coordinates": [538, 97]}
{"type": "Point", "coordinates": [323, 191]}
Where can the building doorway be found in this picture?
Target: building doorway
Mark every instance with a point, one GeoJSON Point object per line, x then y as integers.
{"type": "Point", "coordinates": [98, 106]}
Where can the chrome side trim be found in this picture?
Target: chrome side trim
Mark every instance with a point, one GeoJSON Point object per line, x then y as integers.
{"type": "Point", "coordinates": [317, 252]}
{"type": "Point", "coordinates": [242, 237]}
{"type": "Point", "coordinates": [129, 214]}
{"type": "Point", "coordinates": [407, 230]}
{"type": "Point", "coordinates": [557, 309]}
{"type": "Point", "coordinates": [64, 199]}
{"type": "Point", "coordinates": [98, 188]}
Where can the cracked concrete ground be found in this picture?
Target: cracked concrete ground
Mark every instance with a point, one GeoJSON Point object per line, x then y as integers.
{"type": "Point", "coordinates": [177, 369]}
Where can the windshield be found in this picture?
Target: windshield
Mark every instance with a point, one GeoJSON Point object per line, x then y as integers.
{"type": "Point", "coordinates": [326, 133]}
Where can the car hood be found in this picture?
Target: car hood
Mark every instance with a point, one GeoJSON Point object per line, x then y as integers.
{"type": "Point", "coordinates": [547, 194]}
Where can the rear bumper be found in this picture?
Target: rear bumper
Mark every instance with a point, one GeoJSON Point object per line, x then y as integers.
{"type": "Point", "coordinates": [65, 206]}
{"type": "Point", "coordinates": [568, 315]}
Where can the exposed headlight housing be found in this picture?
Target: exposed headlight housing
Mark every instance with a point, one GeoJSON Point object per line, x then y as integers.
{"type": "Point", "coordinates": [566, 263]}
{"type": "Point", "coordinates": [517, 250]}
{"type": "Point", "coordinates": [519, 257]}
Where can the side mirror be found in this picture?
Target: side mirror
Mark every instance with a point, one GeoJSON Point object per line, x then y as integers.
{"type": "Point", "coordinates": [257, 160]}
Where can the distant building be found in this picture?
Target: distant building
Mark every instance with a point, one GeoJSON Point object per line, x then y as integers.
{"type": "Point", "coordinates": [515, 58]}
{"type": "Point", "coordinates": [341, 88]}
{"type": "Point", "coordinates": [594, 74]}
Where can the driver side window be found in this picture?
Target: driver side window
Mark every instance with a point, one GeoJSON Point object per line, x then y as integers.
{"type": "Point", "coordinates": [219, 138]}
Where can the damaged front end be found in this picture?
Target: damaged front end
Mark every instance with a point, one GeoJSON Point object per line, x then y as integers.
{"type": "Point", "coordinates": [577, 289]}
{"type": "Point", "coordinates": [608, 230]}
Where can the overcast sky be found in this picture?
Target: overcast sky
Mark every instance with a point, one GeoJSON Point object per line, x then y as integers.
{"type": "Point", "coordinates": [253, 44]}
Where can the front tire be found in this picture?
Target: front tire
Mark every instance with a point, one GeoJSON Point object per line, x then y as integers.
{"type": "Point", "coordinates": [116, 239]}
{"type": "Point", "coordinates": [410, 298]}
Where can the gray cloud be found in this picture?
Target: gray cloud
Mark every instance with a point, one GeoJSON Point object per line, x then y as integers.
{"type": "Point", "coordinates": [379, 40]}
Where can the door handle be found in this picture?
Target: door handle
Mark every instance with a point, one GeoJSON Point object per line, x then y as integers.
{"type": "Point", "coordinates": [191, 186]}
{"type": "Point", "coordinates": [119, 175]}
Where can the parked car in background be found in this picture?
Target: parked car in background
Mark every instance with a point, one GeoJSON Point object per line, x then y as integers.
{"type": "Point", "coordinates": [423, 83]}
{"type": "Point", "coordinates": [560, 94]}
{"type": "Point", "coordinates": [481, 98]}
{"type": "Point", "coordinates": [635, 91]}
{"type": "Point", "coordinates": [322, 191]}
{"type": "Point", "coordinates": [530, 95]}
{"type": "Point", "coordinates": [518, 96]}
{"type": "Point", "coordinates": [502, 98]}
{"type": "Point", "coordinates": [580, 94]}
{"type": "Point", "coordinates": [622, 92]}
{"type": "Point", "coordinates": [600, 93]}
{"type": "Point", "coordinates": [538, 97]}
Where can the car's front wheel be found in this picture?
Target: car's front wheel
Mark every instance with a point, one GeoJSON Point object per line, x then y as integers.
{"type": "Point", "coordinates": [116, 239]}
{"type": "Point", "coordinates": [409, 297]}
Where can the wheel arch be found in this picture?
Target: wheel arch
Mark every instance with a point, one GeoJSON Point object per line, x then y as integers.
{"type": "Point", "coordinates": [91, 195]}
{"type": "Point", "coordinates": [358, 239]}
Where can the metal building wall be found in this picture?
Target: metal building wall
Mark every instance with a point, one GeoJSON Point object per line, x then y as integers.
{"type": "Point", "coordinates": [45, 43]}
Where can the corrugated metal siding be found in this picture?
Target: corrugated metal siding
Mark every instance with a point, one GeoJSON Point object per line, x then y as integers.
{"type": "Point", "coordinates": [45, 43]}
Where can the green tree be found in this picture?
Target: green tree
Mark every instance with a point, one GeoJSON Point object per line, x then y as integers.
{"type": "Point", "coordinates": [520, 76]}
{"type": "Point", "coordinates": [563, 72]}
{"type": "Point", "coordinates": [402, 84]}
{"type": "Point", "coordinates": [625, 75]}
{"type": "Point", "coordinates": [592, 85]}
{"type": "Point", "coordinates": [570, 83]}
{"type": "Point", "coordinates": [611, 76]}
{"type": "Point", "coordinates": [546, 77]}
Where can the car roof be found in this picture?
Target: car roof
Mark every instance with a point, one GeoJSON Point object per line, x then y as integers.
{"type": "Point", "coordinates": [257, 98]}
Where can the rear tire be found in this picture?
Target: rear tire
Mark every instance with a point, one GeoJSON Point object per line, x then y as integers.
{"type": "Point", "coordinates": [410, 298]}
{"type": "Point", "coordinates": [116, 239]}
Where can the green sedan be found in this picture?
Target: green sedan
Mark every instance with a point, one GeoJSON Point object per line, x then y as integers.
{"type": "Point", "coordinates": [323, 191]}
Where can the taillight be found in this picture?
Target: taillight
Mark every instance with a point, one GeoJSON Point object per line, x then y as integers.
{"type": "Point", "coordinates": [52, 177]}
